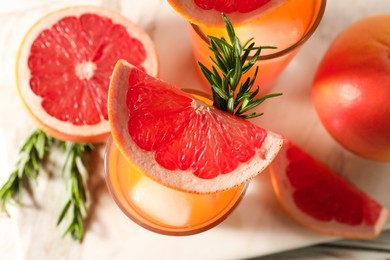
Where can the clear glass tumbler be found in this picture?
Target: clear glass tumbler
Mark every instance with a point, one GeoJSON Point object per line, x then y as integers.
{"type": "Point", "coordinates": [287, 28]}
{"type": "Point", "coordinates": [159, 208]}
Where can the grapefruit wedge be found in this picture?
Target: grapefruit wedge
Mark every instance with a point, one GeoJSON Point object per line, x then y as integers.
{"type": "Point", "coordinates": [64, 67]}
{"type": "Point", "coordinates": [180, 141]}
{"type": "Point", "coordinates": [321, 199]}
{"type": "Point", "coordinates": [208, 12]}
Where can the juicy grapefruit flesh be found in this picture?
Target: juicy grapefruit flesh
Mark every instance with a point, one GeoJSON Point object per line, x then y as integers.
{"type": "Point", "coordinates": [179, 140]}
{"type": "Point", "coordinates": [184, 132]}
{"type": "Point", "coordinates": [326, 196]}
{"type": "Point", "coordinates": [71, 65]}
{"type": "Point", "coordinates": [239, 12]}
{"type": "Point", "coordinates": [241, 6]}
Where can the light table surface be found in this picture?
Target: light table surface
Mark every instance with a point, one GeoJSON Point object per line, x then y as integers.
{"type": "Point", "coordinates": [257, 229]}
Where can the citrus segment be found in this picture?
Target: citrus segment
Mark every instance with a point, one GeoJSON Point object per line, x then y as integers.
{"type": "Point", "coordinates": [208, 12]}
{"type": "Point", "coordinates": [231, 6]}
{"type": "Point", "coordinates": [65, 64]}
{"type": "Point", "coordinates": [181, 141]}
{"type": "Point", "coordinates": [321, 199]}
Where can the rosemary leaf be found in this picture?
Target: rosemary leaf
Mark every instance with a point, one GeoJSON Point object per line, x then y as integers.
{"type": "Point", "coordinates": [63, 212]}
{"type": "Point", "coordinates": [245, 56]}
{"type": "Point", "coordinates": [220, 93]}
{"type": "Point", "coordinates": [252, 115]}
{"type": "Point", "coordinates": [229, 28]}
{"type": "Point", "coordinates": [244, 88]}
{"type": "Point", "coordinates": [230, 105]}
{"type": "Point", "coordinates": [237, 73]}
{"type": "Point", "coordinates": [218, 79]}
{"type": "Point", "coordinates": [206, 72]}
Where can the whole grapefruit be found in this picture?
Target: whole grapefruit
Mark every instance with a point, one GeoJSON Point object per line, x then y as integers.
{"type": "Point", "coordinates": [351, 88]}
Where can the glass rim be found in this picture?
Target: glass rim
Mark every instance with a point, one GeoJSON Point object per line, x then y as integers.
{"type": "Point", "coordinates": [162, 231]}
{"type": "Point", "coordinates": [289, 49]}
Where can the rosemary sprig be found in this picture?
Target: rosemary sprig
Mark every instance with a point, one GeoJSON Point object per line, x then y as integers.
{"type": "Point", "coordinates": [74, 167]}
{"type": "Point", "coordinates": [32, 153]}
{"type": "Point", "coordinates": [31, 156]}
{"type": "Point", "coordinates": [233, 60]}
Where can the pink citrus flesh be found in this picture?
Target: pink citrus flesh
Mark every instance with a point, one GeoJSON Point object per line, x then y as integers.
{"type": "Point", "coordinates": [181, 141]}
{"type": "Point", "coordinates": [208, 12]}
{"type": "Point", "coordinates": [240, 6]}
{"type": "Point", "coordinates": [321, 199]}
{"type": "Point", "coordinates": [65, 64]}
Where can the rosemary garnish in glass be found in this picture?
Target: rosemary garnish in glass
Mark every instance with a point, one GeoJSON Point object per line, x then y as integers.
{"type": "Point", "coordinates": [232, 59]}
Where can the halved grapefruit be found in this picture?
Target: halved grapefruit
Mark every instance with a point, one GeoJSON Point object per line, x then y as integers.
{"type": "Point", "coordinates": [208, 12]}
{"type": "Point", "coordinates": [321, 199]}
{"type": "Point", "coordinates": [180, 141]}
{"type": "Point", "coordinates": [64, 67]}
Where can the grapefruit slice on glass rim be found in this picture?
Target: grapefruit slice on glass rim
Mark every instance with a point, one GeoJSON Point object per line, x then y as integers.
{"type": "Point", "coordinates": [64, 67]}
{"type": "Point", "coordinates": [180, 141]}
{"type": "Point", "coordinates": [318, 198]}
{"type": "Point", "coordinates": [208, 12]}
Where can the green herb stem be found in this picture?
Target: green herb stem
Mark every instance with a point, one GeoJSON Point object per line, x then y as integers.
{"type": "Point", "coordinates": [32, 153]}
{"type": "Point", "coordinates": [31, 156]}
{"type": "Point", "coordinates": [231, 61]}
{"type": "Point", "coordinates": [74, 169]}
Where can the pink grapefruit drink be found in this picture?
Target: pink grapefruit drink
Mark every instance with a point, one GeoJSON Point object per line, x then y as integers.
{"type": "Point", "coordinates": [175, 164]}
{"type": "Point", "coordinates": [287, 27]}
{"type": "Point", "coordinates": [159, 208]}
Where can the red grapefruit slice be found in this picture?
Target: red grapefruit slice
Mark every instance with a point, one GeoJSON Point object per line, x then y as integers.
{"type": "Point", "coordinates": [208, 12]}
{"type": "Point", "coordinates": [180, 141]}
{"type": "Point", "coordinates": [320, 199]}
{"type": "Point", "coordinates": [65, 64]}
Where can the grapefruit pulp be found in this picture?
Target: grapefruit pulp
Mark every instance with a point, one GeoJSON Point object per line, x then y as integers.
{"type": "Point", "coordinates": [180, 141]}
{"type": "Point", "coordinates": [208, 12]}
{"type": "Point", "coordinates": [64, 66]}
{"type": "Point", "coordinates": [320, 199]}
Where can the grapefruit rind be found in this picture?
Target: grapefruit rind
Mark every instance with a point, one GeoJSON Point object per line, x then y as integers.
{"type": "Point", "coordinates": [195, 15]}
{"type": "Point", "coordinates": [178, 179]}
{"type": "Point", "coordinates": [60, 129]}
{"type": "Point", "coordinates": [284, 190]}
{"type": "Point", "coordinates": [352, 79]}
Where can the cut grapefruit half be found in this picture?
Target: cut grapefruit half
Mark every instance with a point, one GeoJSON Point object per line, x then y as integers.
{"type": "Point", "coordinates": [64, 67]}
{"type": "Point", "coordinates": [180, 141]}
{"type": "Point", "coordinates": [321, 199]}
{"type": "Point", "coordinates": [208, 12]}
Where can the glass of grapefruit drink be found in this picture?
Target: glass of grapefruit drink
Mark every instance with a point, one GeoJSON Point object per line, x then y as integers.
{"type": "Point", "coordinates": [162, 209]}
{"type": "Point", "coordinates": [176, 165]}
{"type": "Point", "coordinates": [285, 25]}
